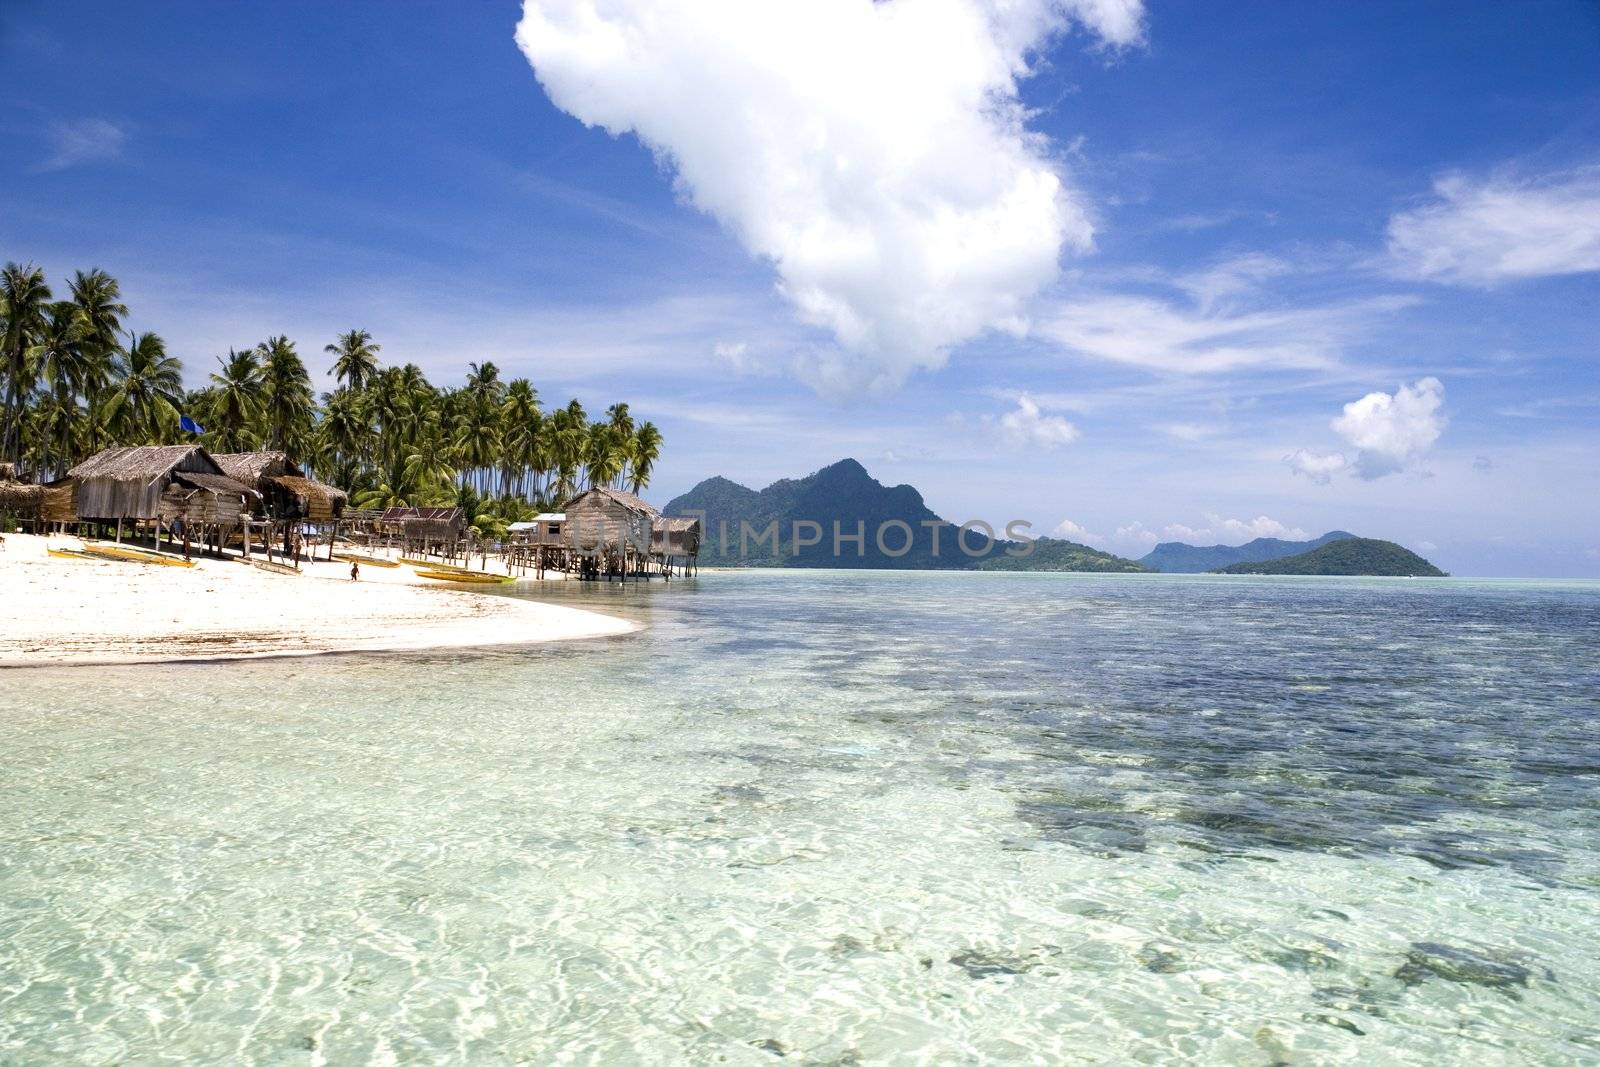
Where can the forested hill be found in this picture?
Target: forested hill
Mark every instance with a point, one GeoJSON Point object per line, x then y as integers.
{"type": "Point", "coordinates": [1175, 557]}
{"type": "Point", "coordinates": [844, 493]}
{"type": "Point", "coordinates": [1362, 556]}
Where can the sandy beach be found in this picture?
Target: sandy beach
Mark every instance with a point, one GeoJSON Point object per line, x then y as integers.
{"type": "Point", "coordinates": [56, 611]}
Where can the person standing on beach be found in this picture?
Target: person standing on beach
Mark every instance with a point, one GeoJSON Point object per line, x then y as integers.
{"type": "Point", "coordinates": [355, 570]}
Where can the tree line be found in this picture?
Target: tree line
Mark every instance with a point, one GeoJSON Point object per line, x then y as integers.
{"type": "Point", "coordinates": [77, 380]}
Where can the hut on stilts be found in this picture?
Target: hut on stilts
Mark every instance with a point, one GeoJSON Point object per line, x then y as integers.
{"type": "Point", "coordinates": [607, 532]}
{"type": "Point", "coordinates": [288, 502]}
{"type": "Point", "coordinates": [176, 488]}
{"type": "Point", "coordinates": [675, 542]}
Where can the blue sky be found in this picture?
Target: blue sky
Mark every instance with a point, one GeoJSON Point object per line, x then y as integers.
{"type": "Point", "coordinates": [1172, 271]}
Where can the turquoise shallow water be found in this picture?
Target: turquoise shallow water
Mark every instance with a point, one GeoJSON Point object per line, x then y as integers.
{"type": "Point", "coordinates": [834, 818]}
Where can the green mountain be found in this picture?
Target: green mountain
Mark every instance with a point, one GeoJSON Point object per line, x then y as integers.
{"type": "Point", "coordinates": [1351, 555]}
{"type": "Point", "coordinates": [793, 523]}
{"type": "Point", "coordinates": [1050, 554]}
{"type": "Point", "coordinates": [1175, 557]}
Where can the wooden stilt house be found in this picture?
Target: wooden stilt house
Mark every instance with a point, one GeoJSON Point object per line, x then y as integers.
{"type": "Point", "coordinates": [160, 485]}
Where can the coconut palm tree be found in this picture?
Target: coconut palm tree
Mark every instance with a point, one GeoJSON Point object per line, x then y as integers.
{"type": "Point", "coordinates": [146, 391]}
{"type": "Point", "coordinates": [288, 401]}
{"type": "Point", "coordinates": [99, 299]}
{"type": "Point", "coordinates": [355, 358]}
{"type": "Point", "coordinates": [344, 433]}
{"type": "Point", "coordinates": [645, 450]}
{"type": "Point", "coordinates": [237, 404]}
{"type": "Point", "coordinates": [24, 303]}
{"type": "Point", "coordinates": [59, 354]}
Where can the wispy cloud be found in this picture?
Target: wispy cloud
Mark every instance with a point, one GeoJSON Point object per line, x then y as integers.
{"type": "Point", "coordinates": [1484, 231]}
{"type": "Point", "coordinates": [79, 141]}
{"type": "Point", "coordinates": [1195, 336]}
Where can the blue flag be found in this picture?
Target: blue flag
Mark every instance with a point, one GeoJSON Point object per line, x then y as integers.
{"type": "Point", "coordinates": [188, 425]}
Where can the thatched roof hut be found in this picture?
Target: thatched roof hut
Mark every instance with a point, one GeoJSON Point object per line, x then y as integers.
{"type": "Point", "coordinates": [425, 524]}
{"type": "Point", "coordinates": [608, 519]}
{"type": "Point", "coordinates": [286, 492]}
{"type": "Point", "coordinates": [19, 498]}
{"type": "Point", "coordinates": [675, 537]}
{"type": "Point", "coordinates": [157, 482]}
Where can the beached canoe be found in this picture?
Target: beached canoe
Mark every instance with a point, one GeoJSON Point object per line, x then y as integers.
{"type": "Point", "coordinates": [68, 553]}
{"type": "Point", "coordinates": [265, 565]}
{"type": "Point", "coordinates": [469, 577]}
{"type": "Point", "coordinates": [365, 561]}
{"type": "Point", "coordinates": [134, 555]}
{"type": "Point", "coordinates": [432, 565]}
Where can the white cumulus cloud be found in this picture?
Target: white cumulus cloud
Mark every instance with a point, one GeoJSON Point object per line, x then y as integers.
{"type": "Point", "coordinates": [1485, 231]}
{"type": "Point", "coordinates": [1320, 467]}
{"type": "Point", "coordinates": [1029, 427]}
{"type": "Point", "coordinates": [1067, 530]}
{"type": "Point", "coordinates": [1221, 530]}
{"type": "Point", "coordinates": [874, 153]}
{"type": "Point", "coordinates": [1389, 431]}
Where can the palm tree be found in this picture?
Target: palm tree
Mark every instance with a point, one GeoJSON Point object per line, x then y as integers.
{"type": "Point", "coordinates": [604, 454]}
{"type": "Point", "coordinates": [99, 299]}
{"type": "Point", "coordinates": [395, 489]}
{"type": "Point", "coordinates": [142, 407]}
{"type": "Point", "coordinates": [344, 434]}
{"type": "Point", "coordinates": [237, 406]}
{"type": "Point", "coordinates": [355, 358]}
{"type": "Point", "coordinates": [519, 425]}
{"type": "Point", "coordinates": [484, 384]}
{"type": "Point", "coordinates": [24, 297]}
{"type": "Point", "coordinates": [287, 394]}
{"type": "Point", "coordinates": [59, 354]}
{"type": "Point", "coordinates": [646, 449]}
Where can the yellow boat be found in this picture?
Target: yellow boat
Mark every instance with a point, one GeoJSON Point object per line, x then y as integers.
{"type": "Point", "coordinates": [365, 561]}
{"type": "Point", "coordinates": [428, 564]}
{"type": "Point", "coordinates": [68, 553]}
{"type": "Point", "coordinates": [469, 577]}
{"type": "Point", "coordinates": [134, 555]}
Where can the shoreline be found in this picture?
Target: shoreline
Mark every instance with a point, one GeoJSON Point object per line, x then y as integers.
{"type": "Point", "coordinates": [58, 612]}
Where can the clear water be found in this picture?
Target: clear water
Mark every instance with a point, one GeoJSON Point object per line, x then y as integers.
{"type": "Point", "coordinates": [834, 818]}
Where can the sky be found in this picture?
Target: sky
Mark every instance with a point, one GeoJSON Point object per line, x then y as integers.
{"type": "Point", "coordinates": [1127, 271]}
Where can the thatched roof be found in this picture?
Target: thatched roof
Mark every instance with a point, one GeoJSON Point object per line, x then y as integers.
{"type": "Point", "coordinates": [20, 496]}
{"type": "Point", "coordinates": [143, 463]}
{"type": "Point", "coordinates": [269, 470]}
{"type": "Point", "coordinates": [251, 467]}
{"type": "Point", "coordinates": [215, 483]}
{"type": "Point", "coordinates": [626, 499]}
{"type": "Point", "coordinates": [312, 489]}
{"type": "Point", "coordinates": [676, 525]}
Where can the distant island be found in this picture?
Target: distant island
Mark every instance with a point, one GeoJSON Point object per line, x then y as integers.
{"type": "Point", "coordinates": [840, 516]}
{"type": "Point", "coordinates": [1175, 557]}
{"type": "Point", "coordinates": [745, 527]}
{"type": "Point", "coordinates": [1052, 554]}
{"type": "Point", "coordinates": [1354, 556]}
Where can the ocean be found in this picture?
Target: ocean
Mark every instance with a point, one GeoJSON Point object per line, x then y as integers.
{"type": "Point", "coordinates": [834, 817]}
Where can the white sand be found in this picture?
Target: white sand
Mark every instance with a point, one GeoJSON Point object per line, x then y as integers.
{"type": "Point", "coordinates": [75, 611]}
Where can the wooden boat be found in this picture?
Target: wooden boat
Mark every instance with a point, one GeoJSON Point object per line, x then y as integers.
{"type": "Point", "coordinates": [428, 564]}
{"type": "Point", "coordinates": [68, 553]}
{"type": "Point", "coordinates": [365, 561]}
{"type": "Point", "coordinates": [276, 568]}
{"type": "Point", "coordinates": [134, 555]}
{"type": "Point", "coordinates": [468, 577]}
